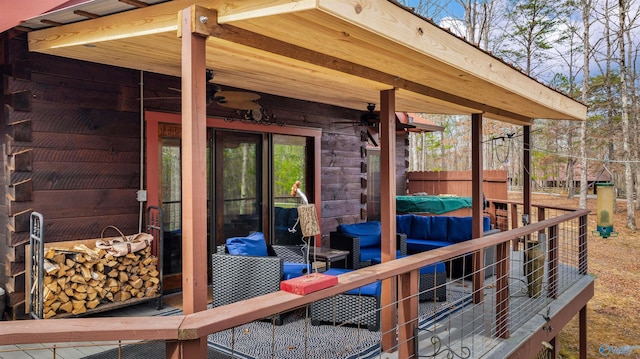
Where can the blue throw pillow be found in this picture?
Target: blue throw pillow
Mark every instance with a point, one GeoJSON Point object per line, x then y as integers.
{"type": "Point", "coordinates": [459, 229]}
{"type": "Point", "coordinates": [251, 245]}
{"type": "Point", "coordinates": [368, 232]}
{"type": "Point", "coordinates": [403, 223]}
{"type": "Point", "coordinates": [429, 227]}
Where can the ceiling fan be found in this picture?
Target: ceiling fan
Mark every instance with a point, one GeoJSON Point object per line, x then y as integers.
{"type": "Point", "coordinates": [371, 118]}
{"type": "Point", "coordinates": [237, 100]}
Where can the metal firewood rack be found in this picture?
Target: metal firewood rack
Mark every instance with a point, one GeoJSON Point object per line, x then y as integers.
{"type": "Point", "coordinates": [36, 266]}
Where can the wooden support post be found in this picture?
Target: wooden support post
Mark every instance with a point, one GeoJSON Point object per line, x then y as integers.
{"type": "Point", "coordinates": [187, 349]}
{"type": "Point", "coordinates": [194, 167]}
{"type": "Point", "coordinates": [194, 175]}
{"type": "Point", "coordinates": [388, 212]}
{"type": "Point", "coordinates": [503, 262]}
{"type": "Point", "coordinates": [526, 176]}
{"type": "Point", "coordinates": [582, 319]}
{"type": "Point", "coordinates": [407, 313]}
{"type": "Point", "coordinates": [552, 265]}
{"type": "Point", "coordinates": [555, 350]}
{"type": "Point", "coordinates": [476, 205]}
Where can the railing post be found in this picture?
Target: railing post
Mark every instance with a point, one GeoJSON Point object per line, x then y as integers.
{"type": "Point", "coordinates": [502, 290]}
{"type": "Point", "coordinates": [582, 319]}
{"type": "Point", "coordinates": [186, 349]}
{"type": "Point", "coordinates": [553, 262]}
{"type": "Point", "coordinates": [541, 214]}
{"type": "Point", "coordinates": [514, 224]}
{"type": "Point", "coordinates": [492, 213]}
{"type": "Point", "coordinates": [408, 313]}
{"type": "Point", "coordinates": [582, 245]}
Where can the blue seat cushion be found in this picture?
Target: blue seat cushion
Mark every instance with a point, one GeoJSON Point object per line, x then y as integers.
{"type": "Point", "coordinates": [366, 254]}
{"type": "Point", "coordinates": [371, 290]}
{"type": "Point", "coordinates": [293, 270]}
{"type": "Point", "coordinates": [423, 245]}
{"type": "Point", "coordinates": [429, 227]}
{"type": "Point", "coordinates": [368, 232]}
{"type": "Point", "coordinates": [434, 268]}
{"type": "Point", "coordinates": [251, 245]}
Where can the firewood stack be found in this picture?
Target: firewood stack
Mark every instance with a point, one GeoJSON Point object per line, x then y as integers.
{"type": "Point", "coordinates": [80, 279]}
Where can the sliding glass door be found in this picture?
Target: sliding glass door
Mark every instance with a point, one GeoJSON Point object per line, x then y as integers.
{"type": "Point", "coordinates": [249, 178]}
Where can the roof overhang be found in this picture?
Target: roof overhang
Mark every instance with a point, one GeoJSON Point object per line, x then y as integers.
{"type": "Point", "coordinates": [341, 53]}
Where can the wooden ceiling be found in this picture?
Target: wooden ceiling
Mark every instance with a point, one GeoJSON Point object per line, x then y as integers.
{"type": "Point", "coordinates": [338, 52]}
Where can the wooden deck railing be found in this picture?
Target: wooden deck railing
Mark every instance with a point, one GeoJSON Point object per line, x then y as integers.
{"type": "Point", "coordinates": [193, 328]}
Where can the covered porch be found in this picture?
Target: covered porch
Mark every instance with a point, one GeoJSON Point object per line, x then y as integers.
{"type": "Point", "coordinates": [341, 53]}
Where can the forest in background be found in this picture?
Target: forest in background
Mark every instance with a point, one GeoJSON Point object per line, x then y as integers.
{"type": "Point", "coordinates": [588, 50]}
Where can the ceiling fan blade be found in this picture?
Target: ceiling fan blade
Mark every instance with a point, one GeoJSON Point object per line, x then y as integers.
{"type": "Point", "coordinates": [240, 105]}
{"type": "Point", "coordinates": [237, 96]}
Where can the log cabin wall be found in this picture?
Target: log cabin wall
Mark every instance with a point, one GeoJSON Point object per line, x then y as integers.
{"type": "Point", "coordinates": [71, 145]}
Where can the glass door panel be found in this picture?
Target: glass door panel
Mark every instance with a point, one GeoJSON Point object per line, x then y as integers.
{"type": "Point", "coordinates": [238, 172]}
{"type": "Point", "coordinates": [171, 203]}
{"type": "Point", "coordinates": [289, 165]}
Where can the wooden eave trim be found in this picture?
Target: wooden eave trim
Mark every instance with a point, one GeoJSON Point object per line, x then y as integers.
{"type": "Point", "coordinates": [452, 51]}
{"type": "Point", "coordinates": [159, 18]}
{"type": "Point", "coordinates": [441, 46]}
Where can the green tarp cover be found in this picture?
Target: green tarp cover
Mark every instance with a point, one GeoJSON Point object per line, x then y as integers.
{"type": "Point", "coordinates": [430, 204]}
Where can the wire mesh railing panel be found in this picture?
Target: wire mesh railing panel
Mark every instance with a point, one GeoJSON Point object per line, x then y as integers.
{"type": "Point", "coordinates": [462, 306]}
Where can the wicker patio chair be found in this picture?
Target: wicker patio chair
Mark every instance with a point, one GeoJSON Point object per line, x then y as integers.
{"type": "Point", "coordinates": [357, 307]}
{"type": "Point", "coordinates": [237, 277]}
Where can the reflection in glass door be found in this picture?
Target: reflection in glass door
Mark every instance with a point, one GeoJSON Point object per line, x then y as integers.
{"type": "Point", "coordinates": [237, 177]}
{"type": "Point", "coordinates": [289, 165]}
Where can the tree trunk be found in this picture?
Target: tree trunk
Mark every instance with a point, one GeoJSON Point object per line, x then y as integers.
{"type": "Point", "coordinates": [624, 97]}
{"type": "Point", "coordinates": [586, 22]}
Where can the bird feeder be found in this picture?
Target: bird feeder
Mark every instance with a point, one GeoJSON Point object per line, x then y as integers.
{"type": "Point", "coordinates": [605, 209]}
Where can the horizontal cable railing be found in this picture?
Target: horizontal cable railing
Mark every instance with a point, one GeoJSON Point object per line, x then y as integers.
{"type": "Point", "coordinates": [444, 304]}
